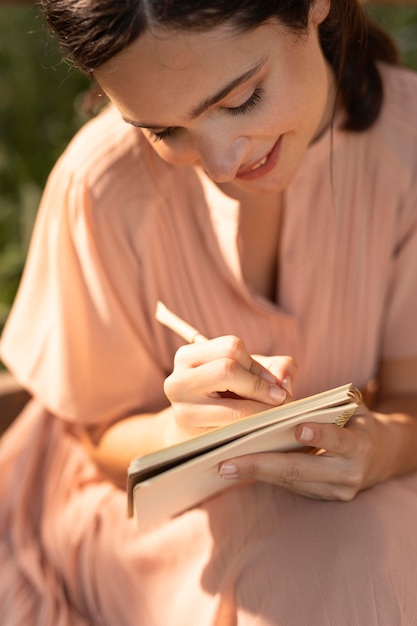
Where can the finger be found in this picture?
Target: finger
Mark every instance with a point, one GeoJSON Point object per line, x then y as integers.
{"type": "Point", "coordinates": [287, 468]}
{"type": "Point", "coordinates": [222, 375]}
{"type": "Point", "coordinates": [231, 347]}
{"type": "Point", "coordinates": [284, 368]}
{"type": "Point", "coordinates": [332, 438]}
{"type": "Point", "coordinates": [313, 477]}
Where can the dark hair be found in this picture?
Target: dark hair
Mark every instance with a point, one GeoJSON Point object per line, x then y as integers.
{"type": "Point", "coordinates": [93, 31]}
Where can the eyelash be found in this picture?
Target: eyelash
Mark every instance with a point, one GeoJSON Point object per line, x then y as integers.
{"type": "Point", "coordinates": [163, 134]}
{"type": "Point", "coordinates": [251, 103]}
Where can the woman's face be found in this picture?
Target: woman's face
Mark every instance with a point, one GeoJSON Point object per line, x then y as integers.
{"type": "Point", "coordinates": [243, 107]}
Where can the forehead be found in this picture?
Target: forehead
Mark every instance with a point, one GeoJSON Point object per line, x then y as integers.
{"type": "Point", "coordinates": [176, 49]}
{"type": "Point", "coordinates": [162, 67]}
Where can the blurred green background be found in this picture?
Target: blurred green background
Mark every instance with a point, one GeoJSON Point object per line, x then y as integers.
{"type": "Point", "coordinates": [42, 105]}
{"type": "Point", "coordinates": [40, 109]}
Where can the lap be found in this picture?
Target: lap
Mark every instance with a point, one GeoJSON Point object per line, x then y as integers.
{"type": "Point", "coordinates": [270, 557]}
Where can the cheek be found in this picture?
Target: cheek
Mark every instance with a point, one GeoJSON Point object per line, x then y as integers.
{"type": "Point", "coordinates": [288, 112]}
{"type": "Point", "coordinates": [302, 106]}
{"type": "Point", "coordinates": [166, 152]}
{"type": "Point", "coordinates": [292, 104]}
{"type": "Point", "coordinates": [303, 94]}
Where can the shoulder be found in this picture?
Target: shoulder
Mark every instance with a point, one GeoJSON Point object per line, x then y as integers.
{"type": "Point", "coordinates": [391, 165]}
{"type": "Point", "coordinates": [387, 151]}
{"type": "Point", "coordinates": [400, 94]}
{"type": "Point", "coordinates": [113, 162]}
{"type": "Point", "coordinates": [396, 128]}
{"type": "Point", "coordinates": [111, 183]}
{"type": "Point", "coordinates": [109, 178]}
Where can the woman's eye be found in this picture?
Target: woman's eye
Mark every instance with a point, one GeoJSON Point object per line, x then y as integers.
{"type": "Point", "coordinates": [163, 134]}
{"type": "Point", "coordinates": [255, 98]}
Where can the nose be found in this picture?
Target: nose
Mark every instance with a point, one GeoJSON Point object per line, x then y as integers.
{"type": "Point", "coordinates": [215, 150]}
{"type": "Point", "coordinates": [221, 155]}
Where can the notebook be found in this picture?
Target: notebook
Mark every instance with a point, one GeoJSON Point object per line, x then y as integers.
{"type": "Point", "coordinates": [167, 482]}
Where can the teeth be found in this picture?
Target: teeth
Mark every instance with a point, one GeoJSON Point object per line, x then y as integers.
{"type": "Point", "coordinates": [260, 163]}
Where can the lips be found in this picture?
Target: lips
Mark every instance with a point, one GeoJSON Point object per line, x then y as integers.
{"type": "Point", "coordinates": [264, 160]}
{"type": "Point", "coordinates": [263, 166]}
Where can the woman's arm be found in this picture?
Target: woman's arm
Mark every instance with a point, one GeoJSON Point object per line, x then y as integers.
{"type": "Point", "coordinates": [113, 448]}
{"type": "Point", "coordinates": [396, 407]}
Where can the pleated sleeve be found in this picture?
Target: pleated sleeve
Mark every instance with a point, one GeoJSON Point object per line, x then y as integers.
{"type": "Point", "coordinates": [77, 336]}
{"type": "Point", "coordinates": [400, 327]}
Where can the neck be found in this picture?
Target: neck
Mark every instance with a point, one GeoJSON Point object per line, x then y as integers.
{"type": "Point", "coordinates": [259, 240]}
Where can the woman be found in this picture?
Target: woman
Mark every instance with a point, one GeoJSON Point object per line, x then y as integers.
{"type": "Point", "coordinates": [255, 171]}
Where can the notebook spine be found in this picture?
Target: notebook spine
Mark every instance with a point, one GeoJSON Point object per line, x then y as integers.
{"type": "Point", "coordinates": [345, 416]}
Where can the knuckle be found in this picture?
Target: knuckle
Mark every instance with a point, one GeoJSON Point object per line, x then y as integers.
{"type": "Point", "coordinates": [365, 447]}
{"type": "Point", "coordinates": [291, 474]}
{"type": "Point", "coordinates": [350, 480]}
{"type": "Point", "coordinates": [175, 388]}
{"type": "Point", "coordinates": [228, 368]}
{"type": "Point", "coordinates": [340, 436]}
{"type": "Point", "coordinates": [291, 365]}
{"type": "Point", "coordinates": [258, 385]}
{"type": "Point", "coordinates": [169, 384]}
{"type": "Point", "coordinates": [171, 387]}
{"type": "Point", "coordinates": [358, 477]}
{"type": "Point", "coordinates": [234, 347]}
{"type": "Point", "coordinates": [354, 479]}
{"type": "Point", "coordinates": [248, 470]}
{"type": "Point", "coordinates": [181, 355]}
{"type": "Point", "coordinates": [255, 368]}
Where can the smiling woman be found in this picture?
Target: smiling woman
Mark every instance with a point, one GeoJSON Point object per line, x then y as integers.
{"type": "Point", "coordinates": [264, 76]}
{"type": "Point", "coordinates": [254, 170]}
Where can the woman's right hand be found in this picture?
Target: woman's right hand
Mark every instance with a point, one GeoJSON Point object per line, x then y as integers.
{"type": "Point", "coordinates": [217, 382]}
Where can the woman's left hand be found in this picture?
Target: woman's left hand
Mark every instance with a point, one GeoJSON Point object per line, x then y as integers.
{"type": "Point", "coordinates": [344, 460]}
{"type": "Point", "coordinates": [374, 446]}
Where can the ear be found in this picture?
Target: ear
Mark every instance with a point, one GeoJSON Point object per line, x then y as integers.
{"type": "Point", "coordinates": [319, 11]}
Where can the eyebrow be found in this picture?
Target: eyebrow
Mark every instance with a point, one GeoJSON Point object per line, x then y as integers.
{"type": "Point", "coordinates": [208, 102]}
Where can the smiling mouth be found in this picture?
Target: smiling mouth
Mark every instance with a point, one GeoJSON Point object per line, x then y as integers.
{"type": "Point", "coordinates": [264, 166]}
{"type": "Point", "coordinates": [264, 160]}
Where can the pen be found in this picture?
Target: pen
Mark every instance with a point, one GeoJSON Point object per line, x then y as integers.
{"type": "Point", "coordinates": [176, 324]}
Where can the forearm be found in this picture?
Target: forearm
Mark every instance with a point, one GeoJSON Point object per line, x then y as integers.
{"type": "Point", "coordinates": [113, 449]}
{"type": "Point", "coordinates": [397, 417]}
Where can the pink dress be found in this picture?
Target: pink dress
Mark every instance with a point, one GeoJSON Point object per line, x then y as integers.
{"type": "Point", "coordinates": [119, 229]}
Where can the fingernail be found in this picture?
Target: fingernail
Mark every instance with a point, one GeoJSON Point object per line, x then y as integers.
{"type": "Point", "coordinates": [278, 394]}
{"type": "Point", "coordinates": [228, 470]}
{"type": "Point", "coordinates": [287, 385]}
{"type": "Point", "coordinates": [307, 433]}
